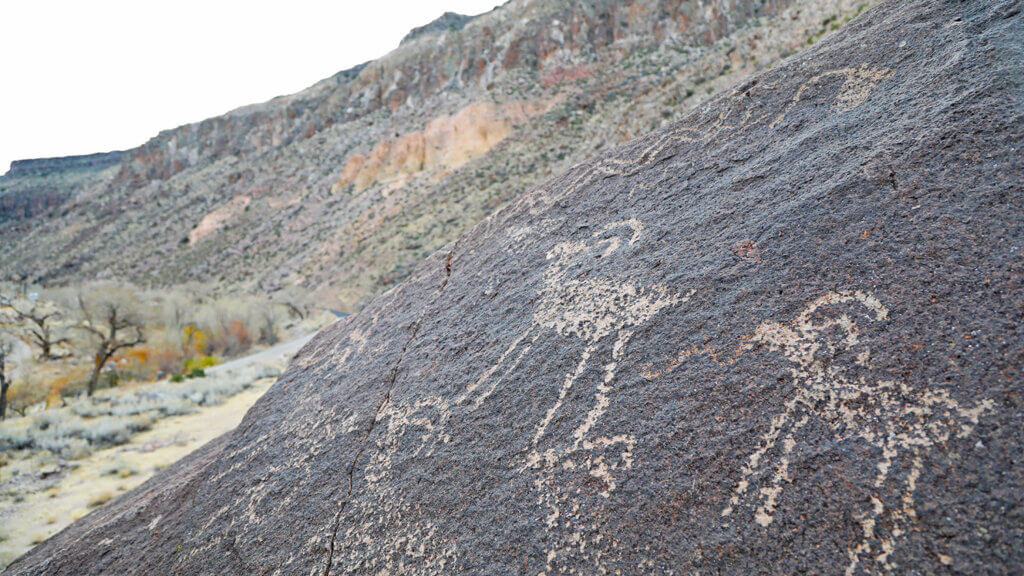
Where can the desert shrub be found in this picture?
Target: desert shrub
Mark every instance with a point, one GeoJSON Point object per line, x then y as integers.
{"type": "Point", "coordinates": [147, 362]}
{"type": "Point", "coordinates": [116, 430]}
{"type": "Point", "coordinates": [112, 417]}
{"type": "Point", "coordinates": [200, 362]}
{"type": "Point", "coordinates": [178, 406]}
{"type": "Point", "coordinates": [15, 434]}
{"type": "Point", "coordinates": [212, 391]}
{"type": "Point", "coordinates": [139, 402]}
{"type": "Point", "coordinates": [25, 392]}
{"type": "Point", "coordinates": [119, 468]}
{"type": "Point", "coordinates": [59, 421]}
{"type": "Point", "coordinates": [234, 324]}
{"type": "Point", "coordinates": [52, 430]}
{"type": "Point", "coordinates": [100, 499]}
{"type": "Point", "coordinates": [67, 434]}
{"type": "Point", "coordinates": [68, 447]}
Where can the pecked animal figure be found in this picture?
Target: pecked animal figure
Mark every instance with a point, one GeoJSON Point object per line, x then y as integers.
{"type": "Point", "coordinates": [600, 378]}
{"type": "Point", "coordinates": [829, 359]}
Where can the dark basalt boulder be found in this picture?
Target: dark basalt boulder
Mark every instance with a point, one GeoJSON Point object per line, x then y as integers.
{"type": "Point", "coordinates": [782, 336]}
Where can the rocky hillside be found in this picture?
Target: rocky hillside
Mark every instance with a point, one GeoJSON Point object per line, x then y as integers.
{"type": "Point", "coordinates": [345, 186]}
{"type": "Point", "coordinates": [32, 187]}
{"type": "Point", "coordinates": [782, 335]}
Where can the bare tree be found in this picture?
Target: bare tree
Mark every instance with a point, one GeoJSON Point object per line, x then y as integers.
{"type": "Point", "coordinates": [5, 381]}
{"type": "Point", "coordinates": [113, 331]}
{"type": "Point", "coordinates": [295, 299]}
{"type": "Point", "coordinates": [268, 327]}
{"type": "Point", "coordinates": [39, 327]}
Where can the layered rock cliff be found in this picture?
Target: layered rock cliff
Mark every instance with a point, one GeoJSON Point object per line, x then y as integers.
{"type": "Point", "coordinates": [781, 335]}
{"type": "Point", "coordinates": [44, 166]}
{"type": "Point", "coordinates": [354, 180]}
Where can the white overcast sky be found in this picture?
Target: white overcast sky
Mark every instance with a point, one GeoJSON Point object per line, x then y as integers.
{"type": "Point", "coordinates": [90, 76]}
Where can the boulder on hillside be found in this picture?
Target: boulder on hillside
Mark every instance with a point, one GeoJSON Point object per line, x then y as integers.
{"type": "Point", "coordinates": [781, 336]}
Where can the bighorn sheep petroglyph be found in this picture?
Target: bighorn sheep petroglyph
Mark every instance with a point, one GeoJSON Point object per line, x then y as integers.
{"type": "Point", "coordinates": [829, 363]}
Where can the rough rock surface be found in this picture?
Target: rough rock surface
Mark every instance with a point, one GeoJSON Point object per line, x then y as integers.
{"type": "Point", "coordinates": [780, 336]}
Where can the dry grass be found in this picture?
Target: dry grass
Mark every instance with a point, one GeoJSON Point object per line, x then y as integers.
{"type": "Point", "coordinates": [100, 499]}
{"type": "Point", "coordinates": [114, 416]}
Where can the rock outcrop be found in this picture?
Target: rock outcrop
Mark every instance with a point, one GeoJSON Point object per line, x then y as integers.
{"type": "Point", "coordinates": [780, 336]}
{"type": "Point", "coordinates": [43, 166]}
{"type": "Point", "coordinates": [444, 144]}
{"type": "Point", "coordinates": [449, 21]}
{"type": "Point", "coordinates": [32, 187]}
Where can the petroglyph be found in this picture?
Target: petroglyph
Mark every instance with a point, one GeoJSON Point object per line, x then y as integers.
{"type": "Point", "coordinates": [831, 368]}
{"type": "Point", "coordinates": [588, 309]}
{"type": "Point", "coordinates": [654, 370]}
{"type": "Point", "coordinates": [591, 310]}
{"type": "Point", "coordinates": [385, 535]}
{"type": "Point", "coordinates": [739, 112]}
{"type": "Point", "coordinates": [857, 85]}
{"type": "Point", "coordinates": [306, 428]}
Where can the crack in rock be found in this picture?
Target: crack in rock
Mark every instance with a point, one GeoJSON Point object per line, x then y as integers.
{"type": "Point", "coordinates": [389, 384]}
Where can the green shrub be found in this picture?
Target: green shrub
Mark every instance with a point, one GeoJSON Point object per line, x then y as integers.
{"type": "Point", "coordinates": [200, 362]}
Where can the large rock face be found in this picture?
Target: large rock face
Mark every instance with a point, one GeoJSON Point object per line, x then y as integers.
{"type": "Point", "coordinates": [32, 187]}
{"type": "Point", "coordinates": [781, 336]}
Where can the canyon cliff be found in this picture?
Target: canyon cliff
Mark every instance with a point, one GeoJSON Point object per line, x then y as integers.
{"type": "Point", "coordinates": [354, 180]}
